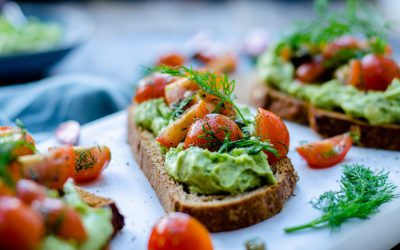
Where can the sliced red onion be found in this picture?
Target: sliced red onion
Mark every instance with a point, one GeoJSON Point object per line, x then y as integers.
{"type": "Point", "coordinates": [68, 132]}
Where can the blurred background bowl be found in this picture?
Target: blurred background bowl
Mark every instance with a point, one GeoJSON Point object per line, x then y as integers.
{"type": "Point", "coordinates": [76, 27]}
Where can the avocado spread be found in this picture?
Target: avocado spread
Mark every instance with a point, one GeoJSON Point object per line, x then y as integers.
{"type": "Point", "coordinates": [97, 222]}
{"type": "Point", "coordinates": [153, 115]}
{"type": "Point", "coordinates": [377, 107]}
{"type": "Point", "coordinates": [208, 172]}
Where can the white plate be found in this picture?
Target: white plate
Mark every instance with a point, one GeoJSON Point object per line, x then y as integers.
{"type": "Point", "coordinates": [124, 182]}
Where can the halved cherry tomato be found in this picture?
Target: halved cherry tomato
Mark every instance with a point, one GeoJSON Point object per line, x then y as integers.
{"type": "Point", "coordinates": [355, 74]}
{"type": "Point", "coordinates": [61, 219]}
{"type": "Point", "coordinates": [20, 226]}
{"type": "Point", "coordinates": [340, 44]}
{"type": "Point", "coordinates": [8, 134]}
{"type": "Point", "coordinates": [172, 60]}
{"type": "Point", "coordinates": [378, 71]}
{"type": "Point", "coordinates": [152, 87]}
{"type": "Point", "coordinates": [326, 153]}
{"type": "Point", "coordinates": [176, 132]}
{"type": "Point", "coordinates": [219, 125]}
{"type": "Point", "coordinates": [178, 231]}
{"type": "Point", "coordinates": [224, 108]}
{"type": "Point", "coordinates": [52, 169]}
{"type": "Point", "coordinates": [179, 89]}
{"type": "Point", "coordinates": [271, 127]}
{"type": "Point", "coordinates": [225, 63]}
{"type": "Point", "coordinates": [310, 72]}
{"type": "Point", "coordinates": [29, 191]}
{"type": "Point", "coordinates": [90, 162]}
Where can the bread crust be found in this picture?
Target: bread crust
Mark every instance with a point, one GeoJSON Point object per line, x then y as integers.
{"type": "Point", "coordinates": [216, 212]}
{"type": "Point", "coordinates": [326, 123]}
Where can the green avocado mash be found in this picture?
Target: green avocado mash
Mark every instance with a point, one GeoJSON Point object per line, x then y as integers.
{"type": "Point", "coordinates": [97, 223]}
{"type": "Point", "coordinates": [32, 36]}
{"type": "Point", "coordinates": [377, 107]}
{"type": "Point", "coordinates": [208, 172]}
{"type": "Point", "coordinates": [153, 115]}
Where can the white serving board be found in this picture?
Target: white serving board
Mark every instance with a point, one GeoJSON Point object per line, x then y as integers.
{"type": "Point", "coordinates": [124, 182]}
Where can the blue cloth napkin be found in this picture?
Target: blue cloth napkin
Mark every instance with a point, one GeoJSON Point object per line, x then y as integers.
{"type": "Point", "coordinates": [44, 104]}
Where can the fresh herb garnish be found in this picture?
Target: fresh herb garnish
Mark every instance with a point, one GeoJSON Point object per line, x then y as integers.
{"type": "Point", "coordinates": [357, 19]}
{"type": "Point", "coordinates": [255, 244]}
{"type": "Point", "coordinates": [85, 160]}
{"type": "Point", "coordinates": [361, 193]}
{"type": "Point", "coordinates": [179, 108]}
{"type": "Point", "coordinates": [209, 82]}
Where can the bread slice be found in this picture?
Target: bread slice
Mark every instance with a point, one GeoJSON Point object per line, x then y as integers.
{"type": "Point", "coordinates": [216, 212]}
{"type": "Point", "coordinates": [326, 123]}
{"type": "Point", "coordinates": [95, 201]}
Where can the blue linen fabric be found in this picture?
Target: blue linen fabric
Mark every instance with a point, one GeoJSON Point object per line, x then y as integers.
{"type": "Point", "coordinates": [44, 104]}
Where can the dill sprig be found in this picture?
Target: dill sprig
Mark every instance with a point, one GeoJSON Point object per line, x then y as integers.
{"type": "Point", "coordinates": [357, 19]}
{"type": "Point", "coordinates": [209, 82]}
{"type": "Point", "coordinates": [85, 160]}
{"type": "Point", "coordinates": [361, 193]}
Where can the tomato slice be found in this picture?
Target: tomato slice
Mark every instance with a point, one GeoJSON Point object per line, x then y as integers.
{"type": "Point", "coordinates": [90, 162]}
{"type": "Point", "coordinates": [29, 191]}
{"type": "Point", "coordinates": [271, 127]}
{"type": "Point", "coordinates": [61, 219]}
{"type": "Point", "coordinates": [178, 231]}
{"type": "Point", "coordinates": [172, 60]}
{"type": "Point", "coordinates": [210, 132]}
{"type": "Point", "coordinates": [152, 87]}
{"type": "Point", "coordinates": [52, 169]}
{"type": "Point", "coordinates": [310, 72]}
{"type": "Point", "coordinates": [326, 153]}
{"type": "Point", "coordinates": [378, 72]}
{"type": "Point", "coordinates": [12, 134]}
{"type": "Point", "coordinates": [20, 226]}
{"type": "Point", "coordinates": [340, 44]}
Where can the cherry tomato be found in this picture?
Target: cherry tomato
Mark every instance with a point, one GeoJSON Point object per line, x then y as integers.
{"type": "Point", "coordinates": [29, 191]}
{"type": "Point", "coordinates": [219, 125]}
{"type": "Point", "coordinates": [171, 60]}
{"type": "Point", "coordinates": [225, 63]}
{"type": "Point", "coordinates": [61, 219]}
{"type": "Point", "coordinates": [340, 44]}
{"type": "Point", "coordinates": [326, 153]}
{"type": "Point", "coordinates": [176, 132]}
{"type": "Point", "coordinates": [310, 72]}
{"type": "Point", "coordinates": [90, 162]}
{"type": "Point", "coordinates": [8, 134]}
{"type": "Point", "coordinates": [355, 74]}
{"type": "Point", "coordinates": [271, 127]}
{"type": "Point", "coordinates": [178, 231]}
{"type": "Point", "coordinates": [179, 89]}
{"type": "Point", "coordinates": [152, 87]}
{"type": "Point", "coordinates": [378, 71]}
{"type": "Point", "coordinates": [52, 169]}
{"type": "Point", "coordinates": [20, 226]}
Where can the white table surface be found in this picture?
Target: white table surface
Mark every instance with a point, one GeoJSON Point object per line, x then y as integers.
{"type": "Point", "coordinates": [124, 182]}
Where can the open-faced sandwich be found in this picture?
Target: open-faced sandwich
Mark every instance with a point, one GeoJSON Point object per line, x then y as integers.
{"type": "Point", "coordinates": [336, 74]}
{"type": "Point", "coordinates": [204, 154]}
{"type": "Point", "coordinates": [40, 208]}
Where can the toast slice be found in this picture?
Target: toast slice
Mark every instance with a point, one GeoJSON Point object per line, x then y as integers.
{"type": "Point", "coordinates": [95, 201]}
{"type": "Point", "coordinates": [326, 123]}
{"type": "Point", "coordinates": [216, 212]}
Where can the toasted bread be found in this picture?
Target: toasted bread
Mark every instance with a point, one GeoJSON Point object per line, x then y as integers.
{"type": "Point", "coordinates": [216, 212]}
{"type": "Point", "coordinates": [326, 123]}
{"type": "Point", "coordinates": [95, 201]}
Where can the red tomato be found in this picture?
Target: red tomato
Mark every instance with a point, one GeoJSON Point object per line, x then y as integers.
{"type": "Point", "coordinates": [152, 87]}
{"type": "Point", "coordinates": [90, 162]}
{"type": "Point", "coordinates": [326, 153]}
{"type": "Point", "coordinates": [171, 60]}
{"type": "Point", "coordinates": [342, 43]}
{"type": "Point", "coordinates": [51, 170]}
{"type": "Point", "coordinates": [61, 219]}
{"type": "Point", "coordinates": [178, 231]}
{"type": "Point", "coordinates": [29, 191]}
{"type": "Point", "coordinates": [14, 134]}
{"type": "Point", "coordinates": [309, 72]}
{"type": "Point", "coordinates": [378, 71]}
{"type": "Point", "coordinates": [225, 63]}
{"type": "Point", "coordinates": [271, 127]}
{"type": "Point", "coordinates": [20, 226]}
{"type": "Point", "coordinates": [219, 125]}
